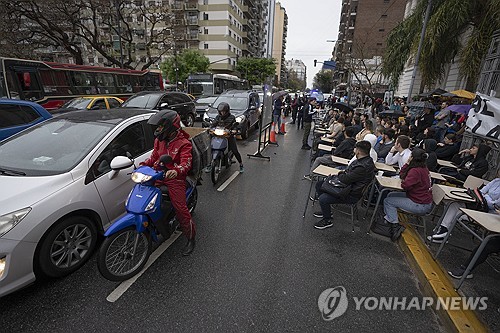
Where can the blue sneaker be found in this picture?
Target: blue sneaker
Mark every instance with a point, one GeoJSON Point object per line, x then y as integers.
{"type": "Point", "coordinates": [242, 169]}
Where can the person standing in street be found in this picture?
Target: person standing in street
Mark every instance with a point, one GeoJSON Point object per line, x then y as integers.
{"type": "Point", "coordinates": [295, 107]}
{"type": "Point", "coordinates": [277, 109]}
{"type": "Point", "coordinates": [309, 110]}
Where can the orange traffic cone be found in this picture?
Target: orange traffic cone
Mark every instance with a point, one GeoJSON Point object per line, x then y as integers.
{"type": "Point", "coordinates": [282, 129]}
{"type": "Point", "coordinates": [272, 137]}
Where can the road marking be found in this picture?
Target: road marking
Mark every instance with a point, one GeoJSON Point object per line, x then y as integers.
{"type": "Point", "coordinates": [122, 287]}
{"type": "Point", "coordinates": [227, 182]}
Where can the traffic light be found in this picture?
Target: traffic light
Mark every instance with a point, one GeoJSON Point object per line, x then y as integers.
{"type": "Point", "coordinates": [315, 61]}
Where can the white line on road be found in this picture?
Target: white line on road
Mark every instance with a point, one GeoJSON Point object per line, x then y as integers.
{"type": "Point", "coordinates": [227, 182]}
{"type": "Point", "coordinates": [122, 287]}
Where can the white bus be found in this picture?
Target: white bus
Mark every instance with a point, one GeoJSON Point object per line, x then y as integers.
{"type": "Point", "coordinates": [207, 84]}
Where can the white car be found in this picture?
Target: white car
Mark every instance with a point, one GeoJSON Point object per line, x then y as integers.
{"type": "Point", "coordinates": [58, 192]}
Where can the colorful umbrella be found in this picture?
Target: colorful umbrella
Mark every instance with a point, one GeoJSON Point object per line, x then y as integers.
{"type": "Point", "coordinates": [463, 94]}
{"type": "Point", "coordinates": [460, 108]}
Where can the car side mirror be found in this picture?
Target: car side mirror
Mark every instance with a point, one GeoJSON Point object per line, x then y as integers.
{"type": "Point", "coordinates": [120, 163]}
{"type": "Point", "coordinates": [163, 106]}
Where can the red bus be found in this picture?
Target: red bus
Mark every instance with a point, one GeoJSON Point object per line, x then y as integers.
{"type": "Point", "coordinates": [51, 84]}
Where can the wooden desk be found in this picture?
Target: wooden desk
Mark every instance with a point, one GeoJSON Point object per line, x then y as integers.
{"type": "Point", "coordinates": [340, 160]}
{"type": "Point", "coordinates": [387, 184]}
{"type": "Point", "coordinates": [446, 164]}
{"type": "Point", "coordinates": [321, 130]}
{"type": "Point", "coordinates": [325, 139]}
{"type": "Point", "coordinates": [325, 147]}
{"type": "Point", "coordinates": [447, 191]}
{"type": "Point", "coordinates": [437, 175]}
{"type": "Point", "coordinates": [489, 221]}
{"type": "Point", "coordinates": [384, 167]}
{"type": "Point", "coordinates": [324, 170]}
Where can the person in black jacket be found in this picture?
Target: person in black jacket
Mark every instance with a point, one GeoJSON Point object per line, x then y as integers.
{"type": "Point", "coordinates": [309, 110]}
{"type": "Point", "coordinates": [429, 146]}
{"type": "Point", "coordinates": [447, 149]}
{"type": "Point", "coordinates": [473, 165]}
{"type": "Point", "coordinates": [227, 120]}
{"type": "Point", "coordinates": [357, 175]}
{"type": "Point", "coordinates": [422, 122]}
{"type": "Point", "coordinates": [385, 145]}
{"type": "Point", "coordinates": [344, 150]}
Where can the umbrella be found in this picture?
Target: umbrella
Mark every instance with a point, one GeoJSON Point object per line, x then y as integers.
{"type": "Point", "coordinates": [421, 105]}
{"type": "Point", "coordinates": [464, 94]}
{"type": "Point", "coordinates": [279, 94]}
{"type": "Point", "coordinates": [434, 92]}
{"type": "Point", "coordinates": [460, 108]}
{"type": "Point", "coordinates": [342, 107]}
{"type": "Point", "coordinates": [391, 114]}
{"type": "Point", "coordinates": [318, 95]}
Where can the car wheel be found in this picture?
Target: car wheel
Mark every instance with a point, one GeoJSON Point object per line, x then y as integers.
{"type": "Point", "coordinates": [244, 131]}
{"type": "Point", "coordinates": [190, 119]}
{"type": "Point", "coordinates": [67, 246]}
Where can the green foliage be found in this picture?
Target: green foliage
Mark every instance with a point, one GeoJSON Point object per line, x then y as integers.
{"type": "Point", "coordinates": [450, 22]}
{"type": "Point", "coordinates": [294, 83]}
{"type": "Point", "coordinates": [256, 70]}
{"type": "Point", "coordinates": [188, 61]}
{"type": "Point", "coordinates": [323, 80]}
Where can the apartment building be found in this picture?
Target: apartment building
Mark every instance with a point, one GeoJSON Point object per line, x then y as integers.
{"type": "Point", "coordinates": [279, 40]}
{"type": "Point", "coordinates": [298, 67]}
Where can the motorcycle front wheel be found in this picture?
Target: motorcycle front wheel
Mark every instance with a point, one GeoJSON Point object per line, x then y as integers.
{"type": "Point", "coordinates": [124, 254]}
{"type": "Point", "coordinates": [216, 169]}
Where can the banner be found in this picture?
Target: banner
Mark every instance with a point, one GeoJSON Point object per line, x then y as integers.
{"type": "Point", "coordinates": [484, 117]}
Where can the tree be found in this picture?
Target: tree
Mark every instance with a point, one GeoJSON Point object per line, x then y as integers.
{"type": "Point", "coordinates": [98, 25]}
{"type": "Point", "coordinates": [256, 70]}
{"type": "Point", "coordinates": [187, 62]}
{"type": "Point", "coordinates": [323, 80]}
{"type": "Point", "coordinates": [451, 22]}
{"type": "Point", "coordinates": [294, 83]}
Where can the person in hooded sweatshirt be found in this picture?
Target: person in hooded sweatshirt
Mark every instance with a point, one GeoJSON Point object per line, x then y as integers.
{"type": "Point", "coordinates": [430, 146]}
{"type": "Point", "coordinates": [475, 164]}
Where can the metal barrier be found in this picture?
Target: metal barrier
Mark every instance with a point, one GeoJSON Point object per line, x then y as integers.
{"type": "Point", "coordinates": [264, 140]}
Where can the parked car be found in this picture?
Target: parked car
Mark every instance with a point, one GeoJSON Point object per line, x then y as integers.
{"type": "Point", "coordinates": [245, 106]}
{"type": "Point", "coordinates": [202, 104]}
{"type": "Point", "coordinates": [157, 100]}
{"type": "Point", "coordinates": [90, 103]}
{"type": "Point", "coordinates": [58, 192]}
{"type": "Point", "coordinates": [16, 115]}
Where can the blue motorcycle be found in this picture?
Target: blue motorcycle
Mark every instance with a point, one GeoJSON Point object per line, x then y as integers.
{"type": "Point", "coordinates": [128, 242]}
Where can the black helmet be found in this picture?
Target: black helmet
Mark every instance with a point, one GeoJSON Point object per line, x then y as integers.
{"type": "Point", "coordinates": [165, 123]}
{"type": "Point", "coordinates": [224, 110]}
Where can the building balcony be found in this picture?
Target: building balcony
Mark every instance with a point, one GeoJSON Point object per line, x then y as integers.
{"type": "Point", "coordinates": [176, 7]}
{"type": "Point", "coordinates": [191, 6]}
{"type": "Point", "coordinates": [192, 21]}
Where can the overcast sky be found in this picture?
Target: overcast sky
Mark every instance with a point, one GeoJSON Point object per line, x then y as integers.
{"type": "Point", "coordinates": [310, 24]}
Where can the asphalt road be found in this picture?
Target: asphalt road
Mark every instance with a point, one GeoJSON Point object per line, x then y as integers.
{"type": "Point", "coordinates": [258, 266]}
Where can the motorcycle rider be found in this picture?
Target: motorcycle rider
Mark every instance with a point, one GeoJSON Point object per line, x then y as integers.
{"type": "Point", "coordinates": [171, 140]}
{"type": "Point", "coordinates": [227, 120]}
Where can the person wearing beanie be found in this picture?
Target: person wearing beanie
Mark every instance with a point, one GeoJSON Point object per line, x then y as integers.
{"type": "Point", "coordinates": [430, 146]}
{"type": "Point", "coordinates": [475, 164]}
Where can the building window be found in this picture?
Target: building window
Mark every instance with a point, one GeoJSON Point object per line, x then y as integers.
{"type": "Point", "coordinates": [381, 30]}
{"type": "Point", "coordinates": [205, 31]}
{"type": "Point", "coordinates": [387, 1]}
{"type": "Point", "coordinates": [205, 46]}
{"type": "Point", "coordinates": [384, 16]}
{"type": "Point", "coordinates": [205, 16]}
{"type": "Point", "coordinates": [379, 44]}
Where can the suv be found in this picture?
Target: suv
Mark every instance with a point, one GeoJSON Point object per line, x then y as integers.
{"type": "Point", "coordinates": [157, 100]}
{"type": "Point", "coordinates": [16, 115]}
{"type": "Point", "coordinates": [245, 106]}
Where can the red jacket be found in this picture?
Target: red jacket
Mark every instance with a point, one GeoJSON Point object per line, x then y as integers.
{"type": "Point", "coordinates": [179, 149]}
{"type": "Point", "coordinates": [417, 185]}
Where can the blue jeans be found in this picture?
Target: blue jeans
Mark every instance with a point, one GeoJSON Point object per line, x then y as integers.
{"type": "Point", "coordinates": [397, 200]}
{"type": "Point", "coordinates": [325, 200]}
{"type": "Point", "coordinates": [277, 122]}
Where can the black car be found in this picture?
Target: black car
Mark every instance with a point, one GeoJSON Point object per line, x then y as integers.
{"type": "Point", "coordinates": [157, 100]}
{"type": "Point", "coordinates": [202, 103]}
{"type": "Point", "coordinates": [245, 106]}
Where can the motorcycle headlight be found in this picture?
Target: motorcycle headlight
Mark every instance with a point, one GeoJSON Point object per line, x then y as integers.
{"type": "Point", "coordinates": [219, 131]}
{"type": "Point", "coordinates": [138, 177]}
{"type": "Point", "coordinates": [152, 203]}
{"type": "Point", "coordinates": [9, 221]}
{"type": "Point", "coordinates": [240, 119]}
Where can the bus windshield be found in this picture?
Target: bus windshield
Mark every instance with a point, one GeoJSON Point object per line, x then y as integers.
{"type": "Point", "coordinates": [201, 88]}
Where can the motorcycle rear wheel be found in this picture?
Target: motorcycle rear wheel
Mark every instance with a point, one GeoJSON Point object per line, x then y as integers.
{"type": "Point", "coordinates": [216, 169]}
{"type": "Point", "coordinates": [116, 262]}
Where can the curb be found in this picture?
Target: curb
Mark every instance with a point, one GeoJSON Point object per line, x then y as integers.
{"type": "Point", "coordinates": [436, 283]}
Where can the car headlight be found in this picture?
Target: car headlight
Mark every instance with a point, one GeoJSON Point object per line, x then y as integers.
{"type": "Point", "coordinates": [138, 177]}
{"type": "Point", "coordinates": [240, 119]}
{"type": "Point", "coordinates": [152, 203]}
{"type": "Point", "coordinates": [2, 266]}
{"type": "Point", "coordinates": [9, 221]}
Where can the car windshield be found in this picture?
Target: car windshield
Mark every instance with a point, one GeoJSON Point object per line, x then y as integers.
{"type": "Point", "coordinates": [77, 103]}
{"type": "Point", "coordinates": [206, 100]}
{"type": "Point", "coordinates": [235, 103]}
{"type": "Point", "coordinates": [52, 147]}
{"type": "Point", "coordinates": [142, 101]}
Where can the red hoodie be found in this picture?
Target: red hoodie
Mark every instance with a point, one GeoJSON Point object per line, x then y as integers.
{"type": "Point", "coordinates": [417, 184]}
{"type": "Point", "coordinates": [179, 149]}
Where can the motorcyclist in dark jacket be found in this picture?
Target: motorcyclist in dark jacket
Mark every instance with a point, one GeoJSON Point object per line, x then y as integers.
{"type": "Point", "coordinates": [357, 175]}
{"type": "Point", "coordinates": [227, 120]}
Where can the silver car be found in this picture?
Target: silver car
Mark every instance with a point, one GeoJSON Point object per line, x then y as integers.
{"type": "Point", "coordinates": [58, 192]}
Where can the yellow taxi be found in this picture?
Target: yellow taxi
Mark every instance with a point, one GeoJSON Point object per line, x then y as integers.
{"type": "Point", "coordinates": [92, 103]}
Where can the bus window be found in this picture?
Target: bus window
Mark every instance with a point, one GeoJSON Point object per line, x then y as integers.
{"type": "Point", "coordinates": [30, 85]}
{"type": "Point", "coordinates": [3, 90]}
{"type": "Point", "coordinates": [105, 83]}
{"type": "Point", "coordinates": [218, 88]}
{"type": "Point", "coordinates": [83, 83]}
